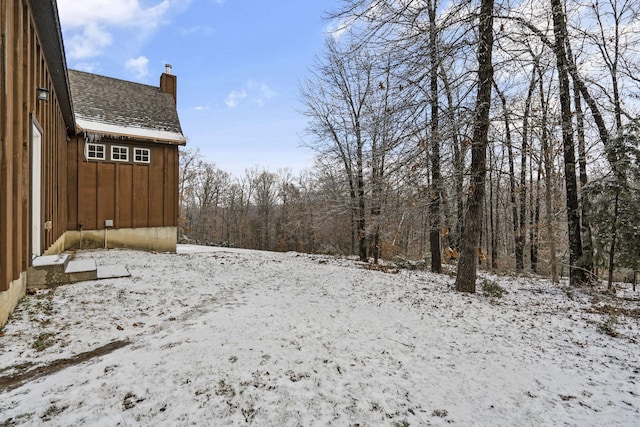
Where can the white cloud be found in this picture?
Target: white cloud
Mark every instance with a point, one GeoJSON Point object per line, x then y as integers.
{"type": "Point", "coordinates": [337, 28]}
{"type": "Point", "coordinates": [234, 98]}
{"type": "Point", "coordinates": [198, 30]}
{"type": "Point", "coordinates": [260, 92]}
{"type": "Point", "coordinates": [89, 25]}
{"type": "Point", "coordinates": [256, 92]}
{"type": "Point", "coordinates": [139, 66]}
{"type": "Point", "coordinates": [76, 13]}
{"type": "Point", "coordinates": [89, 67]}
{"type": "Point", "coordinates": [88, 42]}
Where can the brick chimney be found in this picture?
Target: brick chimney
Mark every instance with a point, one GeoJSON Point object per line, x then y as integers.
{"type": "Point", "coordinates": [169, 83]}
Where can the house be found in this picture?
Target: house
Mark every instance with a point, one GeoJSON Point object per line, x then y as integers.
{"type": "Point", "coordinates": [123, 163]}
{"type": "Point", "coordinates": [36, 121]}
{"type": "Point", "coordinates": [85, 160]}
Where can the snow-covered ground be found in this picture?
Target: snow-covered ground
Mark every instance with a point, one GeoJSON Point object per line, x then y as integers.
{"type": "Point", "coordinates": [216, 336]}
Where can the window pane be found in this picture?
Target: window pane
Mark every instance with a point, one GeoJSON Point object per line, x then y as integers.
{"type": "Point", "coordinates": [142, 155]}
{"type": "Point", "coordinates": [95, 151]}
{"type": "Point", "coordinates": [119, 153]}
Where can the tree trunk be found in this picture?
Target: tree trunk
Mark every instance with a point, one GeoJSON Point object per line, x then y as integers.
{"type": "Point", "coordinates": [534, 229]}
{"type": "Point", "coordinates": [612, 248]}
{"type": "Point", "coordinates": [523, 168]}
{"type": "Point", "coordinates": [512, 182]}
{"type": "Point", "coordinates": [548, 197]}
{"type": "Point", "coordinates": [362, 242]}
{"type": "Point", "coordinates": [587, 240]}
{"type": "Point", "coordinates": [467, 264]}
{"type": "Point", "coordinates": [436, 176]}
{"type": "Point", "coordinates": [458, 163]}
{"type": "Point", "coordinates": [377, 166]}
{"type": "Point", "coordinates": [577, 272]}
{"type": "Point", "coordinates": [492, 224]}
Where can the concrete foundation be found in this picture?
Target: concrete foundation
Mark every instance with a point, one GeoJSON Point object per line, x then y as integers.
{"type": "Point", "coordinates": [158, 239]}
{"type": "Point", "coordinates": [9, 298]}
{"type": "Point", "coordinates": [57, 247]}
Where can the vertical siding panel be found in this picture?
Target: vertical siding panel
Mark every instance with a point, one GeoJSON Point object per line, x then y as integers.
{"type": "Point", "coordinates": [148, 182]}
{"type": "Point", "coordinates": [19, 129]}
{"type": "Point", "coordinates": [125, 196]}
{"type": "Point", "coordinates": [61, 212]}
{"type": "Point", "coordinates": [174, 186]}
{"type": "Point", "coordinates": [6, 151]}
{"type": "Point", "coordinates": [166, 186]}
{"type": "Point", "coordinates": [156, 190]}
{"type": "Point", "coordinates": [140, 195]}
{"type": "Point", "coordinates": [34, 53]}
{"type": "Point", "coordinates": [171, 186]}
{"type": "Point", "coordinates": [87, 195]}
{"type": "Point", "coordinates": [47, 161]}
{"type": "Point", "coordinates": [27, 54]}
{"type": "Point", "coordinates": [106, 190]}
{"type": "Point", "coordinates": [73, 156]}
{"type": "Point", "coordinates": [116, 197]}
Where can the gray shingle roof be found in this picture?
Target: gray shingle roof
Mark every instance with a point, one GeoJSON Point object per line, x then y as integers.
{"type": "Point", "coordinates": [117, 107]}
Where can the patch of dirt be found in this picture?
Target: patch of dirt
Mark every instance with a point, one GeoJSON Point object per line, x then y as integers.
{"type": "Point", "coordinates": [615, 311]}
{"type": "Point", "coordinates": [381, 267]}
{"type": "Point", "coordinates": [11, 382]}
{"type": "Point", "coordinates": [130, 401]}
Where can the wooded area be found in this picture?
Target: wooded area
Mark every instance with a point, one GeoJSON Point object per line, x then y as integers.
{"type": "Point", "coordinates": [505, 133]}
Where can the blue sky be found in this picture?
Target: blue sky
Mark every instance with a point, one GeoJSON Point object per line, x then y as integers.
{"type": "Point", "coordinates": [238, 64]}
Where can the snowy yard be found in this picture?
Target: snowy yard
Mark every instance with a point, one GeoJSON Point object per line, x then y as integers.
{"type": "Point", "coordinates": [214, 336]}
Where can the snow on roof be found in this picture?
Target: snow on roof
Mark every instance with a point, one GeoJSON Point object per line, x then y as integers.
{"type": "Point", "coordinates": [105, 106]}
{"type": "Point", "coordinates": [119, 131]}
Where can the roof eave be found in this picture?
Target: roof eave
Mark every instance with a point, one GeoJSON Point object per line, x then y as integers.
{"type": "Point", "coordinates": [130, 135]}
{"type": "Point", "coordinates": [45, 15]}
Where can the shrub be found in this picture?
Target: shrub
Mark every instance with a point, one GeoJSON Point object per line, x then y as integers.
{"type": "Point", "coordinates": [608, 327]}
{"type": "Point", "coordinates": [492, 289]}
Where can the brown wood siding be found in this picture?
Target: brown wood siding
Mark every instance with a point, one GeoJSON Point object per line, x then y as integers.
{"type": "Point", "coordinates": [141, 196]}
{"type": "Point", "coordinates": [72, 185]}
{"type": "Point", "coordinates": [107, 185]}
{"type": "Point", "coordinates": [156, 189]}
{"type": "Point", "coordinates": [131, 194]}
{"type": "Point", "coordinates": [125, 192]}
{"type": "Point", "coordinates": [23, 69]}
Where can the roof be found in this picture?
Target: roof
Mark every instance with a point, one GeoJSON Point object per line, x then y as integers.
{"type": "Point", "coordinates": [122, 109]}
{"type": "Point", "coordinates": [45, 16]}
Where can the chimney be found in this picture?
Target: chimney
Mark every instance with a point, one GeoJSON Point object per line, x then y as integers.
{"type": "Point", "coordinates": [169, 83]}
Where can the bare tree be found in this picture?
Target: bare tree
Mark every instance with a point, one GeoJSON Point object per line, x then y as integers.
{"type": "Point", "coordinates": [335, 105]}
{"type": "Point", "coordinates": [577, 272]}
{"type": "Point", "coordinates": [190, 162]}
{"type": "Point", "coordinates": [467, 265]}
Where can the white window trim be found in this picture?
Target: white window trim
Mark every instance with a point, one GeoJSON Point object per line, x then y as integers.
{"type": "Point", "coordinates": [148, 150]}
{"type": "Point", "coordinates": [120, 147]}
{"type": "Point", "coordinates": [86, 151]}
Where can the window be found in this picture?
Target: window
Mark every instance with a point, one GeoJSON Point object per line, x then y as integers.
{"type": "Point", "coordinates": [142, 155]}
{"type": "Point", "coordinates": [95, 151]}
{"type": "Point", "coordinates": [119, 154]}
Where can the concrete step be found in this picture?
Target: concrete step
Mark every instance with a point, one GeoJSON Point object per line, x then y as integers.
{"type": "Point", "coordinates": [112, 271]}
{"type": "Point", "coordinates": [79, 270]}
{"type": "Point", "coordinates": [48, 269]}
{"type": "Point", "coordinates": [54, 270]}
